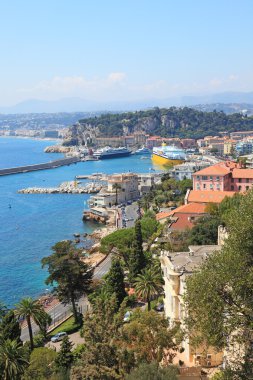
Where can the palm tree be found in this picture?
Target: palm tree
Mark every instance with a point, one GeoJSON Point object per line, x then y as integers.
{"type": "Point", "coordinates": [148, 284]}
{"type": "Point", "coordinates": [13, 359]}
{"type": "Point", "coordinates": [31, 309]}
{"type": "Point", "coordinates": [116, 187]}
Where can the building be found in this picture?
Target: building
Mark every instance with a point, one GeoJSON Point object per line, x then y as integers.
{"type": "Point", "coordinates": [241, 135]}
{"type": "Point", "coordinates": [187, 169]}
{"type": "Point", "coordinates": [146, 181]}
{"type": "Point", "coordinates": [206, 196]}
{"type": "Point", "coordinates": [121, 188]}
{"type": "Point", "coordinates": [182, 217]}
{"type": "Point", "coordinates": [244, 147]}
{"type": "Point", "coordinates": [224, 176]}
{"type": "Point", "coordinates": [176, 267]}
{"type": "Point", "coordinates": [229, 146]}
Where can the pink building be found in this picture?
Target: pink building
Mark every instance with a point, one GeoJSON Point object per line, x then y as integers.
{"type": "Point", "coordinates": [224, 176]}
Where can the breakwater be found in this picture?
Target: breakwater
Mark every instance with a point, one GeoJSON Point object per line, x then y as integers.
{"type": "Point", "coordinates": [43, 166]}
{"type": "Point", "coordinates": [65, 188]}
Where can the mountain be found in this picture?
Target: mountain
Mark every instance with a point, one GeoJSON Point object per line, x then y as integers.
{"type": "Point", "coordinates": [84, 105]}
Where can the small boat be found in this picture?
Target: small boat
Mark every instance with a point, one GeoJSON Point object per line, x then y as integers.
{"type": "Point", "coordinates": [9, 205]}
{"type": "Point", "coordinates": [142, 150]}
{"type": "Point", "coordinates": [77, 235]}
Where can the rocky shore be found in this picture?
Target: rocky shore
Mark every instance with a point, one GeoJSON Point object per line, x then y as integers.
{"type": "Point", "coordinates": [65, 188]}
{"type": "Point", "coordinates": [57, 149]}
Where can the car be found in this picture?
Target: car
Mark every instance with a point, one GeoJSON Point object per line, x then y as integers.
{"type": "Point", "coordinates": [160, 307]}
{"type": "Point", "coordinates": [127, 316]}
{"type": "Point", "coordinates": [129, 202]}
{"type": "Point", "coordinates": [58, 337]}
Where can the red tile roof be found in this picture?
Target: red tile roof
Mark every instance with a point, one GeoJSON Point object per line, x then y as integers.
{"type": "Point", "coordinates": [191, 208]}
{"type": "Point", "coordinates": [207, 196]}
{"type": "Point", "coordinates": [242, 173]}
{"type": "Point", "coordinates": [221, 169]}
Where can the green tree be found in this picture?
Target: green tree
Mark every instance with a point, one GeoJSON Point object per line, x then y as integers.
{"type": "Point", "coordinates": [205, 231]}
{"type": "Point", "coordinates": [148, 337]}
{"type": "Point", "coordinates": [116, 187]}
{"type": "Point", "coordinates": [149, 284]}
{"type": "Point", "coordinates": [65, 356]}
{"type": "Point", "coordinates": [153, 371]}
{"type": "Point", "coordinates": [30, 309]}
{"type": "Point", "coordinates": [115, 281]}
{"type": "Point", "coordinates": [9, 326]}
{"type": "Point", "coordinates": [72, 275]}
{"type": "Point", "coordinates": [13, 360]}
{"type": "Point", "coordinates": [41, 364]}
{"type": "Point", "coordinates": [219, 296]}
{"type": "Point", "coordinates": [137, 257]}
{"type": "Point", "coordinates": [99, 359]}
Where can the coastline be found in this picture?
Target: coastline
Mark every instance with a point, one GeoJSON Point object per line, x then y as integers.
{"type": "Point", "coordinates": [57, 140]}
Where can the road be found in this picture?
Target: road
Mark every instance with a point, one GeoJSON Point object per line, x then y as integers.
{"type": "Point", "coordinates": [58, 311]}
{"type": "Point", "coordinates": [129, 214]}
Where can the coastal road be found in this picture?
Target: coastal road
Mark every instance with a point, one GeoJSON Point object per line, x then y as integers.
{"type": "Point", "coordinates": [129, 214]}
{"type": "Point", "coordinates": [58, 311]}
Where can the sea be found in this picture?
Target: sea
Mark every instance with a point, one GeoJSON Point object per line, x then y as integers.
{"type": "Point", "coordinates": [30, 224]}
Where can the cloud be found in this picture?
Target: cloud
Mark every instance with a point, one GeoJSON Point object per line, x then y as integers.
{"type": "Point", "coordinates": [116, 77]}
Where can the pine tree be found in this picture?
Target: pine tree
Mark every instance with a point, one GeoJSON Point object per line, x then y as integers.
{"type": "Point", "coordinates": [115, 281]}
{"type": "Point", "coordinates": [137, 258]}
{"type": "Point", "coordinates": [65, 356]}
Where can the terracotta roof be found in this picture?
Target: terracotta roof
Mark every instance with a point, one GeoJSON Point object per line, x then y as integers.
{"type": "Point", "coordinates": [242, 173]}
{"type": "Point", "coordinates": [191, 208]}
{"type": "Point", "coordinates": [207, 196]}
{"type": "Point", "coordinates": [221, 169]}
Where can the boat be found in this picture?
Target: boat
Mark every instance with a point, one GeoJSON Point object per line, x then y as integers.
{"type": "Point", "coordinates": [109, 152]}
{"type": "Point", "coordinates": [168, 155]}
{"type": "Point", "coordinates": [142, 150]}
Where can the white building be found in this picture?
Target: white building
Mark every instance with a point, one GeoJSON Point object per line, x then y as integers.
{"type": "Point", "coordinates": [120, 189]}
{"type": "Point", "coordinates": [176, 267]}
{"type": "Point", "coordinates": [186, 169]}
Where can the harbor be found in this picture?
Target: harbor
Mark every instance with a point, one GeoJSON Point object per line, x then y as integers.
{"type": "Point", "coordinates": [70, 187]}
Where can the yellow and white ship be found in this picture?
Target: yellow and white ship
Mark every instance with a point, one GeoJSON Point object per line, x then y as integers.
{"type": "Point", "coordinates": [168, 155]}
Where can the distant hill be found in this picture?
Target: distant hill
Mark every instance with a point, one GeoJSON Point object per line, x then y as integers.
{"type": "Point", "coordinates": [83, 105]}
{"type": "Point", "coordinates": [167, 122]}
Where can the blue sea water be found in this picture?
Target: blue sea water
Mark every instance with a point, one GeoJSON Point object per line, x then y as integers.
{"type": "Point", "coordinates": [35, 222]}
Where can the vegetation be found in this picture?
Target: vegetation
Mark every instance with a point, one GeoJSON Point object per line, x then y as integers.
{"type": "Point", "coordinates": [136, 257]}
{"type": "Point", "coordinates": [31, 309]}
{"type": "Point", "coordinates": [65, 356]}
{"type": "Point", "coordinates": [153, 371]}
{"type": "Point", "coordinates": [149, 284]}
{"type": "Point", "coordinates": [72, 275]}
{"type": "Point", "coordinates": [115, 282]}
{"type": "Point", "coordinates": [172, 122]}
{"type": "Point", "coordinates": [219, 296]}
{"type": "Point", "coordinates": [41, 364]}
{"type": "Point", "coordinates": [69, 326]}
{"type": "Point", "coordinates": [13, 359]}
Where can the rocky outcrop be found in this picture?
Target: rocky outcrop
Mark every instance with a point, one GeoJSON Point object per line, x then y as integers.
{"type": "Point", "coordinates": [57, 149]}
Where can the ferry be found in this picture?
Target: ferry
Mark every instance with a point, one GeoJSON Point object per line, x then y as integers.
{"type": "Point", "coordinates": [142, 150]}
{"type": "Point", "coordinates": [168, 155]}
{"type": "Point", "coordinates": [107, 152]}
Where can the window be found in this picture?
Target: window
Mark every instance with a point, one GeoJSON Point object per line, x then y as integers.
{"type": "Point", "coordinates": [218, 187]}
{"type": "Point", "coordinates": [239, 188]}
{"type": "Point", "coordinates": [247, 180]}
{"type": "Point", "coordinates": [240, 180]}
{"type": "Point", "coordinates": [211, 187]}
{"type": "Point", "coordinates": [204, 177]}
{"type": "Point", "coordinates": [232, 180]}
{"type": "Point", "coordinates": [211, 177]}
{"type": "Point", "coordinates": [232, 187]}
{"type": "Point", "coordinates": [217, 178]}
{"type": "Point", "coordinates": [247, 188]}
{"type": "Point", "coordinates": [197, 176]}
{"type": "Point", "coordinates": [204, 186]}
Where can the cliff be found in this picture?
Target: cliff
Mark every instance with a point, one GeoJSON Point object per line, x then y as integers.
{"type": "Point", "coordinates": [172, 122]}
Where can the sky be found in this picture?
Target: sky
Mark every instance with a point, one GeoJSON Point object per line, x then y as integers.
{"type": "Point", "coordinates": [124, 50]}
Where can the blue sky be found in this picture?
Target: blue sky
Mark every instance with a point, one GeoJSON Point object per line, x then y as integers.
{"type": "Point", "coordinates": [124, 49]}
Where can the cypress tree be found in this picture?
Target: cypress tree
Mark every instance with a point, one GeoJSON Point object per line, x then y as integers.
{"type": "Point", "coordinates": [65, 356]}
{"type": "Point", "coordinates": [115, 281]}
{"type": "Point", "coordinates": [137, 257]}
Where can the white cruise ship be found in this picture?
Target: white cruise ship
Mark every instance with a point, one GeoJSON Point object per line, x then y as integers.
{"type": "Point", "coordinates": [142, 150]}
{"type": "Point", "coordinates": [108, 152]}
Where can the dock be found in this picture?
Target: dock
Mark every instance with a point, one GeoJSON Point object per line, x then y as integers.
{"type": "Point", "coordinates": [43, 166]}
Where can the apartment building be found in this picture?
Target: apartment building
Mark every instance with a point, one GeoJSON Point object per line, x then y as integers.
{"type": "Point", "coordinates": [187, 169]}
{"type": "Point", "coordinates": [224, 176]}
{"type": "Point", "coordinates": [121, 188]}
{"type": "Point", "coordinates": [176, 267]}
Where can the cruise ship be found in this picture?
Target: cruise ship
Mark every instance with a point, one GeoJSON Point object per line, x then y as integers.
{"type": "Point", "coordinates": [107, 152]}
{"type": "Point", "coordinates": [142, 150]}
{"type": "Point", "coordinates": [168, 155]}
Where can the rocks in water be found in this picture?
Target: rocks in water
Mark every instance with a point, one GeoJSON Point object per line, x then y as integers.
{"type": "Point", "coordinates": [65, 188]}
